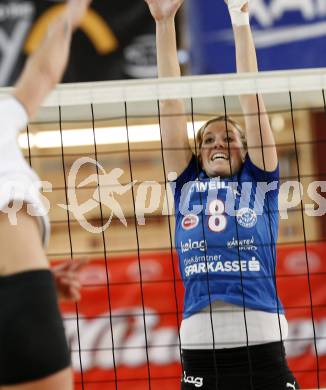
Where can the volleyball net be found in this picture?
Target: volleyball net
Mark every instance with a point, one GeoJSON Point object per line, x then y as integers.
{"type": "Point", "coordinates": [98, 150]}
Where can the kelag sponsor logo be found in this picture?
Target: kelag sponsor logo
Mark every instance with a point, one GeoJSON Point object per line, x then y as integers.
{"type": "Point", "coordinates": [193, 245]}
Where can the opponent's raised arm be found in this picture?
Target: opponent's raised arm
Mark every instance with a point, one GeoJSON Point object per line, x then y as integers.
{"type": "Point", "coordinates": [260, 139]}
{"type": "Point", "coordinates": [48, 63]}
{"type": "Point", "coordinates": [177, 152]}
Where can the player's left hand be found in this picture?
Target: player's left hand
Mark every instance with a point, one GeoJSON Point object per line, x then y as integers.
{"type": "Point", "coordinates": [238, 4]}
{"type": "Point", "coordinates": [66, 279]}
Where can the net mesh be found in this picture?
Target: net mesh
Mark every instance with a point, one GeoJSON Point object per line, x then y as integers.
{"type": "Point", "coordinates": [100, 147]}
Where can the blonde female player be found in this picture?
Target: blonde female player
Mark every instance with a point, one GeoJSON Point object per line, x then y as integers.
{"type": "Point", "coordinates": [233, 323]}
{"type": "Point", "coordinates": [33, 350]}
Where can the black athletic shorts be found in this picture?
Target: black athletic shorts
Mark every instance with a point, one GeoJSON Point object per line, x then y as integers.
{"type": "Point", "coordinates": [32, 338]}
{"type": "Point", "coordinates": [229, 369]}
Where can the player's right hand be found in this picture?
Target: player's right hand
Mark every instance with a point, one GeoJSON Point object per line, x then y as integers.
{"type": "Point", "coordinates": [76, 10]}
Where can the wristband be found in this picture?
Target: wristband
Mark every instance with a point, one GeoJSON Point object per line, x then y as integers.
{"type": "Point", "coordinates": [238, 17]}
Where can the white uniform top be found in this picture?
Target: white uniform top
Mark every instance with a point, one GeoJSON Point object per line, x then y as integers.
{"type": "Point", "coordinates": [230, 329]}
{"type": "Point", "coordinates": [18, 182]}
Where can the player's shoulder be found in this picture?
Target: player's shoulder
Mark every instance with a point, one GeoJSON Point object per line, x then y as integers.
{"type": "Point", "coordinates": [250, 171]}
{"type": "Point", "coordinates": [190, 173]}
{"type": "Point", "coordinates": [12, 113]}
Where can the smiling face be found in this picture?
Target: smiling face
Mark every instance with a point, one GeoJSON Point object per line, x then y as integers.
{"type": "Point", "coordinates": [221, 149]}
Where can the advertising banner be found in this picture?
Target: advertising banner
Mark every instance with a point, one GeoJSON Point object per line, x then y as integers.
{"type": "Point", "coordinates": [288, 35]}
{"type": "Point", "coordinates": [16, 19]}
{"type": "Point", "coordinates": [115, 40]}
{"type": "Point", "coordinates": [113, 315]}
{"type": "Point", "coordinates": [124, 332]}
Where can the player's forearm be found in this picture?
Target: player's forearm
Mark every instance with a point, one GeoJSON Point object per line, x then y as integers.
{"type": "Point", "coordinates": [246, 60]}
{"type": "Point", "coordinates": [30, 93]}
{"type": "Point", "coordinates": [246, 57]}
{"type": "Point", "coordinates": [166, 42]}
{"type": "Point", "coordinates": [45, 68]}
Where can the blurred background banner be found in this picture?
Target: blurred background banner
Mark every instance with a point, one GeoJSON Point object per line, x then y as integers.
{"type": "Point", "coordinates": [117, 37]}
{"type": "Point", "coordinates": [288, 34]}
{"type": "Point", "coordinates": [115, 41]}
{"type": "Point", "coordinates": [109, 344]}
{"type": "Point", "coordinates": [16, 19]}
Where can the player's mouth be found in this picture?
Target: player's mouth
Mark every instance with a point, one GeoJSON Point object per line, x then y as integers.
{"type": "Point", "coordinates": [219, 156]}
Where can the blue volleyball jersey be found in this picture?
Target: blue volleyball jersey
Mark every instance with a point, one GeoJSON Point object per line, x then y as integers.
{"type": "Point", "coordinates": [225, 236]}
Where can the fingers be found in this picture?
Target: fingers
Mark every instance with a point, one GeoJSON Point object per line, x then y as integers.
{"type": "Point", "coordinates": [78, 264]}
{"type": "Point", "coordinates": [70, 265]}
{"type": "Point", "coordinates": [70, 282]}
{"type": "Point", "coordinates": [76, 10]}
{"type": "Point", "coordinates": [66, 277]}
{"type": "Point", "coordinates": [69, 287]}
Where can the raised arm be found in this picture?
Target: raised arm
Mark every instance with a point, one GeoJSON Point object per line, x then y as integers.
{"type": "Point", "coordinates": [260, 139]}
{"type": "Point", "coordinates": [21, 240]}
{"type": "Point", "coordinates": [45, 68]}
{"type": "Point", "coordinates": [176, 148]}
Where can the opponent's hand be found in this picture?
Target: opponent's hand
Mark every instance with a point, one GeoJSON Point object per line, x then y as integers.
{"type": "Point", "coordinates": [66, 279]}
{"type": "Point", "coordinates": [76, 10]}
{"type": "Point", "coordinates": [163, 9]}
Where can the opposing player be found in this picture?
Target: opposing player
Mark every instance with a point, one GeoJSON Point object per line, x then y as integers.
{"type": "Point", "coordinates": [33, 350]}
{"type": "Point", "coordinates": [226, 228]}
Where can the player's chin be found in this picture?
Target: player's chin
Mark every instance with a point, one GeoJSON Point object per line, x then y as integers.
{"type": "Point", "coordinates": [220, 167]}
{"type": "Point", "coordinates": [220, 171]}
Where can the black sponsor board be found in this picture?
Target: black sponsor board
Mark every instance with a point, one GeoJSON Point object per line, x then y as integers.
{"type": "Point", "coordinates": [115, 41]}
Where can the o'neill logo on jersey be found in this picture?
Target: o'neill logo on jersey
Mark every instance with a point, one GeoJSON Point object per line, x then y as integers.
{"type": "Point", "coordinates": [190, 221]}
{"type": "Point", "coordinates": [246, 217]}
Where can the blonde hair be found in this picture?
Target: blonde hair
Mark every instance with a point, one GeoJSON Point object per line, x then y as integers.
{"type": "Point", "coordinates": [226, 120]}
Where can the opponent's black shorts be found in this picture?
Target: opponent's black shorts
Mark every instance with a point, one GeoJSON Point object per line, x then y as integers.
{"type": "Point", "coordinates": [32, 338]}
{"type": "Point", "coordinates": [229, 369]}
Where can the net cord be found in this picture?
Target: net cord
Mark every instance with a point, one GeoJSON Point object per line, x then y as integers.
{"type": "Point", "coordinates": [155, 149]}
{"type": "Point", "coordinates": [239, 255]}
{"type": "Point", "coordinates": [29, 147]}
{"type": "Point", "coordinates": [138, 249]}
{"type": "Point", "coordinates": [108, 186]}
{"type": "Point", "coordinates": [72, 254]}
{"type": "Point", "coordinates": [70, 244]}
{"type": "Point", "coordinates": [104, 252]}
{"type": "Point", "coordinates": [305, 242]}
{"type": "Point", "coordinates": [170, 236]}
{"type": "Point", "coordinates": [205, 249]}
{"type": "Point", "coordinates": [272, 238]}
{"type": "Point", "coordinates": [184, 87]}
{"type": "Point", "coordinates": [154, 248]}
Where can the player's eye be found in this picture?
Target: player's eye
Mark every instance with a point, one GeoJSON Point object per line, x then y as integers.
{"type": "Point", "coordinates": [208, 140]}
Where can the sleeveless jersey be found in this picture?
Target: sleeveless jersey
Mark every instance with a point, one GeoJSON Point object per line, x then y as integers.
{"type": "Point", "coordinates": [225, 236]}
{"type": "Point", "coordinates": [18, 182]}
